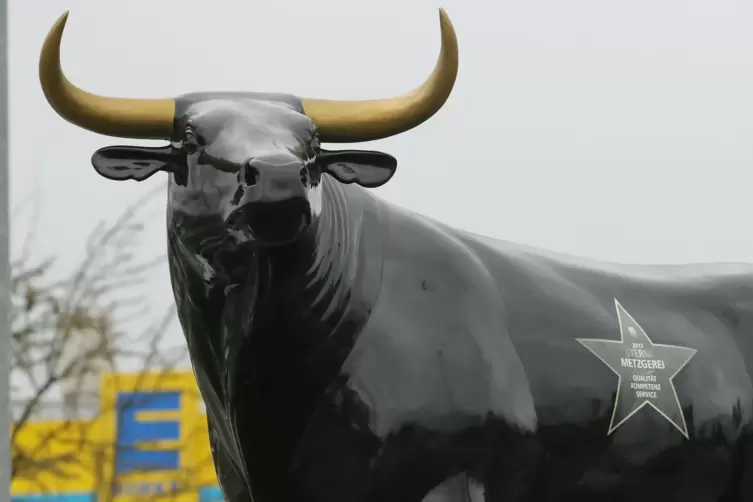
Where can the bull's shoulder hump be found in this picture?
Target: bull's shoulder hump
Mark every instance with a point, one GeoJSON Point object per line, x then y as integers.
{"type": "Point", "coordinates": [414, 236]}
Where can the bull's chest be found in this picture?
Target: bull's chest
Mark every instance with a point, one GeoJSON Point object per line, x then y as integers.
{"type": "Point", "coordinates": [263, 404]}
{"type": "Point", "coordinates": [274, 379]}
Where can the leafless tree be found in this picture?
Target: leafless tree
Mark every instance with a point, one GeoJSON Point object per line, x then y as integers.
{"type": "Point", "coordinates": [67, 331]}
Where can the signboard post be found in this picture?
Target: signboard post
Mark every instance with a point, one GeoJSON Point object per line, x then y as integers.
{"type": "Point", "coordinates": [5, 345]}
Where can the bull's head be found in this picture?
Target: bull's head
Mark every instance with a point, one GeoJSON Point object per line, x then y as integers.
{"type": "Point", "coordinates": [251, 161]}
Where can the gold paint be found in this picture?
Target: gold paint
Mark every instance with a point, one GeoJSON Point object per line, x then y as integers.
{"type": "Point", "coordinates": [352, 121]}
{"type": "Point", "coordinates": [121, 117]}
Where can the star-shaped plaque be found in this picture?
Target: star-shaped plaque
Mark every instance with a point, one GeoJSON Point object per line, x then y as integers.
{"type": "Point", "coordinates": [645, 370]}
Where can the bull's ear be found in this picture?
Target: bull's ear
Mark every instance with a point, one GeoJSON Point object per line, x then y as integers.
{"type": "Point", "coordinates": [133, 162]}
{"type": "Point", "coordinates": [366, 168]}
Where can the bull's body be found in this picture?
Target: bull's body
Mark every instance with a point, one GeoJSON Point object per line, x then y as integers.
{"type": "Point", "coordinates": [351, 351]}
{"type": "Point", "coordinates": [381, 367]}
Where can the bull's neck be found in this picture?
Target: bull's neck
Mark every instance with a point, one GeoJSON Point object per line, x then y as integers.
{"type": "Point", "coordinates": [312, 277]}
{"type": "Point", "coordinates": [299, 297]}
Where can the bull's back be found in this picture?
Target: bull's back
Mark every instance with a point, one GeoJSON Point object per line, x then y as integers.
{"type": "Point", "coordinates": [566, 317]}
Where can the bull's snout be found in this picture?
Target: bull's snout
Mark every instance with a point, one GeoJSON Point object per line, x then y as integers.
{"type": "Point", "coordinates": [266, 181]}
{"type": "Point", "coordinates": [271, 201]}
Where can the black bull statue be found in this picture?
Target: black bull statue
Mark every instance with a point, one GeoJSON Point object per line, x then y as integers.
{"type": "Point", "coordinates": [349, 350]}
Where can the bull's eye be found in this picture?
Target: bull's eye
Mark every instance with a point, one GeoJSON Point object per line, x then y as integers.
{"type": "Point", "coordinates": [190, 141]}
{"type": "Point", "coordinates": [250, 175]}
{"type": "Point", "coordinates": [304, 175]}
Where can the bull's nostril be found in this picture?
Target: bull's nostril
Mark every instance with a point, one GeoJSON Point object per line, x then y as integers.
{"type": "Point", "coordinates": [304, 175]}
{"type": "Point", "coordinates": [251, 175]}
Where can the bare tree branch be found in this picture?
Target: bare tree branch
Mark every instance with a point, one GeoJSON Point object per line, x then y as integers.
{"type": "Point", "coordinates": [66, 330]}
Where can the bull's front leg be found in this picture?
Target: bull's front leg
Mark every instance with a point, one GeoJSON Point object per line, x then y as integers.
{"type": "Point", "coordinates": [341, 459]}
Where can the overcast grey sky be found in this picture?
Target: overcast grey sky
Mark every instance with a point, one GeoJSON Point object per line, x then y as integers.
{"type": "Point", "coordinates": [621, 130]}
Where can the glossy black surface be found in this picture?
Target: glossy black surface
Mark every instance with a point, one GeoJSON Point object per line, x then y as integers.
{"type": "Point", "coordinates": [350, 350]}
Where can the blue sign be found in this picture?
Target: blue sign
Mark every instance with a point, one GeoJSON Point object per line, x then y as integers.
{"type": "Point", "coordinates": [55, 497]}
{"type": "Point", "coordinates": [211, 494]}
{"type": "Point", "coordinates": [131, 455]}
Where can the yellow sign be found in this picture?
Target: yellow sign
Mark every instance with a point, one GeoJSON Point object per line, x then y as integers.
{"type": "Point", "coordinates": [149, 439]}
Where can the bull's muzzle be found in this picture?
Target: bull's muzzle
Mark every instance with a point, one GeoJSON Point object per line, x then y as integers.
{"type": "Point", "coordinates": [267, 181]}
{"type": "Point", "coordinates": [271, 203]}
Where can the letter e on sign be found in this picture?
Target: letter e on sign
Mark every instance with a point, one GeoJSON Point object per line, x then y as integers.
{"type": "Point", "coordinates": [132, 432]}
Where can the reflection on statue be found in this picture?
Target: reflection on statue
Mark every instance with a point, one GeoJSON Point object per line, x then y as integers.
{"type": "Point", "coordinates": [350, 350]}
